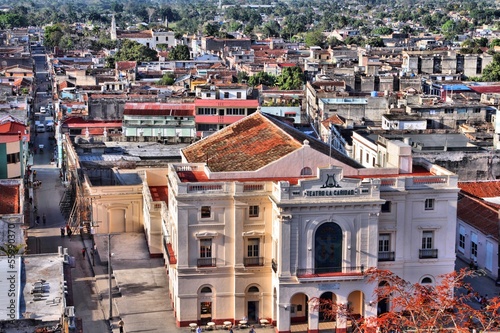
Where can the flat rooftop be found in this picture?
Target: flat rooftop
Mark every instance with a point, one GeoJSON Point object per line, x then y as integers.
{"type": "Point", "coordinates": [42, 292]}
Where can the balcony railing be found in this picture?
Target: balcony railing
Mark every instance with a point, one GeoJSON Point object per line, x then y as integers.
{"type": "Point", "coordinates": [206, 262]}
{"type": "Point", "coordinates": [428, 253]}
{"type": "Point", "coordinates": [386, 256]}
{"type": "Point", "coordinates": [253, 261]}
{"type": "Point", "coordinates": [326, 271]}
{"type": "Point", "coordinates": [274, 265]}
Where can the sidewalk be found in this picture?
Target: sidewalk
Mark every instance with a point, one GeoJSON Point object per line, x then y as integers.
{"type": "Point", "coordinates": [139, 284]}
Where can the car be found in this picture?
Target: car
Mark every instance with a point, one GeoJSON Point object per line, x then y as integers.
{"type": "Point", "coordinates": [43, 109]}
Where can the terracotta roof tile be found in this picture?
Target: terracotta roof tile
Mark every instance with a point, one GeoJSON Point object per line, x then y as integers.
{"type": "Point", "coordinates": [252, 143]}
{"type": "Point", "coordinates": [159, 193]}
{"type": "Point", "coordinates": [9, 199]}
{"type": "Point", "coordinates": [484, 189]}
{"type": "Point", "coordinates": [478, 214]}
{"type": "Point", "coordinates": [247, 145]}
{"type": "Point", "coordinates": [126, 65]}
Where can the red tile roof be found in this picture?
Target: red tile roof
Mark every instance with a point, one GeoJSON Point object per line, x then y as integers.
{"type": "Point", "coordinates": [478, 214]}
{"type": "Point", "coordinates": [486, 89]}
{"type": "Point", "coordinates": [484, 189]}
{"type": "Point", "coordinates": [9, 199]}
{"type": "Point", "coordinates": [126, 65]}
{"type": "Point", "coordinates": [159, 193]}
{"type": "Point", "coordinates": [246, 145]}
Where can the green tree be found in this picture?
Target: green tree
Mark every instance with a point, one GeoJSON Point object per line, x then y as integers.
{"type": "Point", "coordinates": [133, 51]}
{"type": "Point", "coordinates": [53, 35]}
{"type": "Point", "coordinates": [242, 77]}
{"type": "Point", "coordinates": [314, 38]}
{"type": "Point", "coordinates": [291, 78]}
{"type": "Point", "coordinates": [382, 31]}
{"type": "Point", "coordinates": [492, 71]}
{"type": "Point", "coordinates": [262, 78]}
{"type": "Point", "coordinates": [375, 42]}
{"type": "Point", "coordinates": [11, 249]}
{"type": "Point", "coordinates": [179, 52]}
{"type": "Point", "coordinates": [211, 29]}
{"type": "Point", "coordinates": [167, 80]}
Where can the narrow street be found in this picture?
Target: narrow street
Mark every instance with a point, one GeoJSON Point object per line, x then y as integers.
{"type": "Point", "coordinates": [45, 238]}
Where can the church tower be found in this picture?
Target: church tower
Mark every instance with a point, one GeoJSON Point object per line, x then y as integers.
{"type": "Point", "coordinates": [113, 28]}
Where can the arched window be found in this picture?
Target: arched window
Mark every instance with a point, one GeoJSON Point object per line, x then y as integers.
{"type": "Point", "coordinates": [253, 289]}
{"type": "Point", "coordinates": [307, 171]}
{"type": "Point", "coordinates": [206, 290]}
{"type": "Point", "coordinates": [426, 280]}
{"type": "Point", "coordinates": [328, 248]}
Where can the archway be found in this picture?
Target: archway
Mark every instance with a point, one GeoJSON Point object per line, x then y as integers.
{"type": "Point", "coordinates": [328, 248]}
{"type": "Point", "coordinates": [356, 302]}
{"type": "Point", "coordinates": [325, 311]}
{"type": "Point", "coordinates": [253, 304]}
{"type": "Point", "coordinates": [205, 305]}
{"type": "Point", "coordinates": [383, 304]}
{"type": "Point", "coordinates": [299, 308]}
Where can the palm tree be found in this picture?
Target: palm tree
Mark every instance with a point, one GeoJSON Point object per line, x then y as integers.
{"type": "Point", "coordinates": [11, 249]}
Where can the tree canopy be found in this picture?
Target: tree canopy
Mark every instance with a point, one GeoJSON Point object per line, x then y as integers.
{"type": "Point", "coordinates": [491, 72]}
{"type": "Point", "coordinates": [179, 52]}
{"type": "Point", "coordinates": [445, 305]}
{"type": "Point", "coordinates": [133, 51]}
{"type": "Point", "coordinates": [291, 78]}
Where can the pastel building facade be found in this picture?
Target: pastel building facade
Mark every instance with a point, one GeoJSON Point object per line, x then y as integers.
{"type": "Point", "coordinates": [260, 220]}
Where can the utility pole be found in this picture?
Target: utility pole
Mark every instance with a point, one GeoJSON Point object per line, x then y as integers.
{"type": "Point", "coordinates": [498, 252]}
{"type": "Point", "coordinates": [109, 278]}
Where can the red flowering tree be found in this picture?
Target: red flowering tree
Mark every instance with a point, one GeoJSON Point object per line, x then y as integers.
{"type": "Point", "coordinates": [446, 306]}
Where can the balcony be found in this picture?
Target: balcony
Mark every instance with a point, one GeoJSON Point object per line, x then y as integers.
{"type": "Point", "coordinates": [274, 265]}
{"type": "Point", "coordinates": [305, 273]}
{"type": "Point", "coordinates": [253, 261]}
{"type": "Point", "coordinates": [206, 262]}
{"type": "Point", "coordinates": [427, 254]}
{"type": "Point", "coordinates": [386, 256]}
{"type": "Point", "coordinates": [170, 254]}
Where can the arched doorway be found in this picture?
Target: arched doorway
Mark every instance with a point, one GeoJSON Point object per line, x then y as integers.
{"type": "Point", "coordinates": [328, 248]}
{"type": "Point", "coordinates": [253, 304]}
{"type": "Point", "coordinates": [299, 309]}
{"type": "Point", "coordinates": [326, 313]}
{"type": "Point", "coordinates": [383, 303]}
{"type": "Point", "coordinates": [205, 305]}
{"type": "Point", "coordinates": [356, 302]}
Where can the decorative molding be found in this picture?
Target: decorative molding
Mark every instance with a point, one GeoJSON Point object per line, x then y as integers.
{"type": "Point", "coordinates": [206, 234]}
{"type": "Point", "coordinates": [253, 233]}
{"type": "Point", "coordinates": [429, 226]}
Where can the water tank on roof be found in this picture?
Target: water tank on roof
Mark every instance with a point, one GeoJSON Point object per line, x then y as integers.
{"type": "Point", "coordinates": [374, 94]}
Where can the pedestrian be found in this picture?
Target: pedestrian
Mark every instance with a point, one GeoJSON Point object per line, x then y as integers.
{"type": "Point", "coordinates": [37, 220]}
{"type": "Point", "coordinates": [31, 200]}
{"type": "Point", "coordinates": [120, 325]}
{"type": "Point", "coordinates": [62, 231]}
{"type": "Point", "coordinates": [83, 252]}
{"type": "Point", "coordinates": [34, 171]}
{"type": "Point", "coordinates": [67, 228]}
{"type": "Point", "coordinates": [69, 234]}
{"type": "Point", "coordinates": [44, 219]}
{"type": "Point", "coordinates": [252, 330]}
{"type": "Point", "coordinates": [231, 329]}
{"type": "Point", "coordinates": [198, 329]}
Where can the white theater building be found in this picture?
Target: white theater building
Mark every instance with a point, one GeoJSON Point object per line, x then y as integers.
{"type": "Point", "coordinates": [260, 219]}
